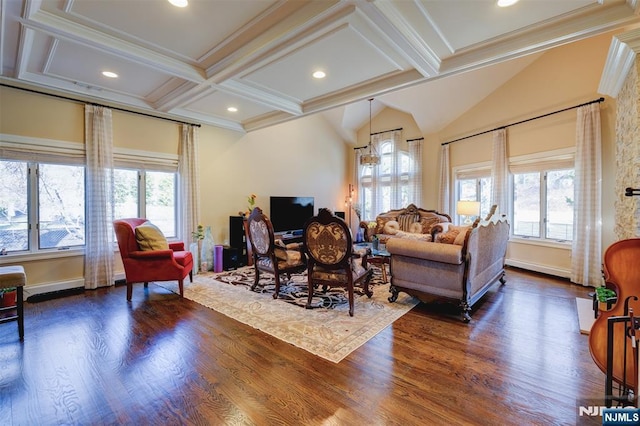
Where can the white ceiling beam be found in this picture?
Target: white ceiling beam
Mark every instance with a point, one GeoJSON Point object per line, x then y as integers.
{"type": "Point", "coordinates": [275, 39]}
{"type": "Point", "coordinates": [261, 96]}
{"type": "Point", "coordinates": [78, 34]}
{"type": "Point", "coordinates": [590, 21]}
{"type": "Point", "coordinates": [399, 32]}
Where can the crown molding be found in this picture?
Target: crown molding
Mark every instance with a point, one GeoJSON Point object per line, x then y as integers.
{"type": "Point", "coordinates": [621, 57]}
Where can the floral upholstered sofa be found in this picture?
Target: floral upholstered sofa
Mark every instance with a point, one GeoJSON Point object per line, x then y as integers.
{"type": "Point", "coordinates": [411, 223]}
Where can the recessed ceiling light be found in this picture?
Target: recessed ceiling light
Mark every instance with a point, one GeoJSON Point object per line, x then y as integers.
{"type": "Point", "coordinates": [232, 109]}
{"type": "Point", "coordinates": [505, 3]}
{"type": "Point", "coordinates": [110, 74]}
{"type": "Point", "coordinates": [319, 74]}
{"type": "Point", "coordinates": [179, 3]}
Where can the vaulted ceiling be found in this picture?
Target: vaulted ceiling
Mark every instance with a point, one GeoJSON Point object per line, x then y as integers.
{"type": "Point", "coordinates": [258, 56]}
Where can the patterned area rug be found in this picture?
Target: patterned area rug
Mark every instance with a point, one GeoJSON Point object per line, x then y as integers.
{"type": "Point", "coordinates": [327, 331]}
{"type": "Point", "coordinates": [295, 290]}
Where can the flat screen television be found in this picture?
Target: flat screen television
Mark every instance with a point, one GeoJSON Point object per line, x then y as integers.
{"type": "Point", "coordinates": [289, 214]}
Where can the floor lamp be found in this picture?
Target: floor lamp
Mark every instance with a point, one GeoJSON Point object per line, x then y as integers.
{"type": "Point", "coordinates": [348, 203]}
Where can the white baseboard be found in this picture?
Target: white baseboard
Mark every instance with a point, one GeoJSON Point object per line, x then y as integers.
{"type": "Point", "coordinates": [32, 290]}
{"type": "Point", "coordinates": [545, 269]}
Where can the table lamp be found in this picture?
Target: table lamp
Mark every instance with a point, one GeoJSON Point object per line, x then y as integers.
{"type": "Point", "coordinates": [468, 209]}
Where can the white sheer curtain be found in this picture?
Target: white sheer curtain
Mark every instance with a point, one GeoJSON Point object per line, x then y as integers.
{"type": "Point", "coordinates": [586, 257]}
{"type": "Point", "coordinates": [189, 181]}
{"type": "Point", "coordinates": [444, 200]}
{"type": "Point", "coordinates": [500, 171]}
{"type": "Point", "coordinates": [99, 241]}
{"type": "Point", "coordinates": [415, 171]}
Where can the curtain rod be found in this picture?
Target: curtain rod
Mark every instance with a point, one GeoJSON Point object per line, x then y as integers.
{"type": "Point", "coordinates": [96, 104]}
{"type": "Point", "coordinates": [385, 131]}
{"type": "Point", "coordinates": [415, 139]}
{"type": "Point", "coordinates": [377, 133]}
{"type": "Point", "coordinates": [524, 121]}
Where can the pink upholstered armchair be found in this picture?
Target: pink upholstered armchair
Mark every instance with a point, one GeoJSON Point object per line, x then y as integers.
{"type": "Point", "coordinates": [144, 265]}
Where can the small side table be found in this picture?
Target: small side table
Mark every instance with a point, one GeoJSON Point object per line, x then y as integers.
{"type": "Point", "coordinates": [381, 258]}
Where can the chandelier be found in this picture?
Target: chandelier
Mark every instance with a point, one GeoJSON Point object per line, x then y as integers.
{"type": "Point", "coordinates": [370, 158]}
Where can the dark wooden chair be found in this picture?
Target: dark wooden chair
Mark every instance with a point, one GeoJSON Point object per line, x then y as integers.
{"type": "Point", "coordinates": [271, 256]}
{"type": "Point", "coordinates": [332, 262]}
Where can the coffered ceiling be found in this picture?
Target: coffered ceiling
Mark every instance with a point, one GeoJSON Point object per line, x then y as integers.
{"type": "Point", "coordinates": [258, 56]}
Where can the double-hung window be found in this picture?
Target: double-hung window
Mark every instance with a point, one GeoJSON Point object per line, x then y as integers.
{"type": "Point", "coordinates": [42, 193]}
{"type": "Point", "coordinates": [42, 202]}
{"type": "Point", "coordinates": [148, 194]}
{"type": "Point", "coordinates": [57, 192]}
{"type": "Point", "coordinates": [474, 184]}
{"type": "Point", "coordinates": [543, 199]}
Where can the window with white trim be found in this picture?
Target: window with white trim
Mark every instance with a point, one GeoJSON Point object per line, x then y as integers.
{"type": "Point", "coordinates": [474, 184]}
{"type": "Point", "coordinates": [388, 185]}
{"type": "Point", "coordinates": [148, 194]}
{"type": "Point", "coordinates": [42, 193]}
{"type": "Point", "coordinates": [543, 198]}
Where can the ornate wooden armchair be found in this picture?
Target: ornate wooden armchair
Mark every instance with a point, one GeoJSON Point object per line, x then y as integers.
{"type": "Point", "coordinates": [328, 242]}
{"type": "Point", "coordinates": [145, 261]}
{"type": "Point", "coordinates": [269, 256]}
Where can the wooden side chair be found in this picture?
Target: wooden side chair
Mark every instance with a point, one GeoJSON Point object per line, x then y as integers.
{"type": "Point", "coordinates": [271, 256]}
{"type": "Point", "coordinates": [328, 243]}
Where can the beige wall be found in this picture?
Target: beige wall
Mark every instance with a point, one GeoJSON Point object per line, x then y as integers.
{"type": "Point", "coordinates": [304, 157]}
{"type": "Point", "coordinates": [389, 119]}
{"type": "Point", "coordinates": [560, 78]}
{"type": "Point", "coordinates": [307, 157]}
{"type": "Point", "coordinates": [28, 114]}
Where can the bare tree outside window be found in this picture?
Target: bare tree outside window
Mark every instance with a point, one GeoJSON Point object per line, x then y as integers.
{"type": "Point", "coordinates": [14, 199]}
{"type": "Point", "coordinates": [61, 205]}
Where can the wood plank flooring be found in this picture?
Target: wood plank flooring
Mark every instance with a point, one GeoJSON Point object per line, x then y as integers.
{"type": "Point", "coordinates": [94, 359]}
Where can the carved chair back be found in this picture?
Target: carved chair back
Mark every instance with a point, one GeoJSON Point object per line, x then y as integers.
{"type": "Point", "coordinates": [328, 241]}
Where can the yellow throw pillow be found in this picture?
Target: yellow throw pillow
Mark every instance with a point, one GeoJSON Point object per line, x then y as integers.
{"type": "Point", "coordinates": [150, 237]}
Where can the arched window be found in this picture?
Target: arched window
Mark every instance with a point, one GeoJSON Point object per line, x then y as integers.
{"type": "Point", "coordinates": [395, 182]}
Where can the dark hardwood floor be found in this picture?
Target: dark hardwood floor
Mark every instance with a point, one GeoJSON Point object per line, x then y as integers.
{"type": "Point", "coordinates": [93, 358]}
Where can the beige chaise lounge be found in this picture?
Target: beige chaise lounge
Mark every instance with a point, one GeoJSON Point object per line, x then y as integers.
{"type": "Point", "coordinates": [455, 272]}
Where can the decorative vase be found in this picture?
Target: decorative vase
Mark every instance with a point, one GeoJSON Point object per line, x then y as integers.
{"type": "Point", "coordinates": [207, 250]}
{"type": "Point", "coordinates": [217, 259]}
{"type": "Point", "coordinates": [195, 253]}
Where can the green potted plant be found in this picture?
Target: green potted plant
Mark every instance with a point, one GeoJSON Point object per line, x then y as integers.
{"type": "Point", "coordinates": [606, 297]}
{"type": "Point", "coordinates": [9, 297]}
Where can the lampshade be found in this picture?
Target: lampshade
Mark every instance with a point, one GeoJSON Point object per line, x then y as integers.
{"type": "Point", "coordinates": [468, 208]}
{"type": "Point", "coordinates": [371, 158]}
